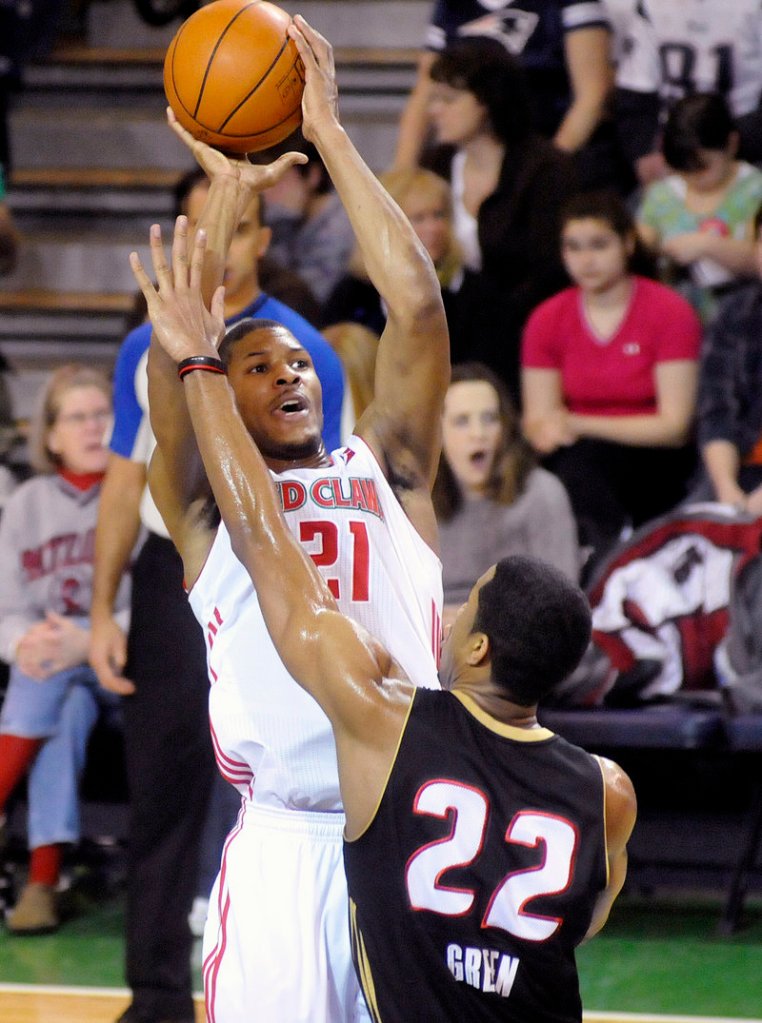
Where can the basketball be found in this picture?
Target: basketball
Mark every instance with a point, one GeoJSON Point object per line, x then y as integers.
{"type": "Point", "coordinates": [233, 77]}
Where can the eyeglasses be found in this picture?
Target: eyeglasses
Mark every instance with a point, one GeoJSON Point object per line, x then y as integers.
{"type": "Point", "coordinates": [80, 418]}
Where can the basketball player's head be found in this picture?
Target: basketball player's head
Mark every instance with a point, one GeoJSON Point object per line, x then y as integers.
{"type": "Point", "coordinates": [247, 247]}
{"type": "Point", "coordinates": [524, 628]}
{"type": "Point", "coordinates": [276, 388]}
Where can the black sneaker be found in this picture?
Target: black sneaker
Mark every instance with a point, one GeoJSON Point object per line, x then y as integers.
{"type": "Point", "coordinates": [132, 1015]}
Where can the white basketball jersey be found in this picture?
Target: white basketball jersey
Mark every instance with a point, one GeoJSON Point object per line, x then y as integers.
{"type": "Point", "coordinates": [271, 739]}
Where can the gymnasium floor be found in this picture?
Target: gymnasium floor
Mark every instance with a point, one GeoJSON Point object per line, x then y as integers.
{"type": "Point", "coordinates": [658, 960]}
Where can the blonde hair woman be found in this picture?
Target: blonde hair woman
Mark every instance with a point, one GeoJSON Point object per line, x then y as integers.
{"type": "Point", "coordinates": [425, 198]}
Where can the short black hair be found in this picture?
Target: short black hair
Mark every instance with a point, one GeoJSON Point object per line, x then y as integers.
{"type": "Point", "coordinates": [538, 624]}
{"type": "Point", "coordinates": [700, 121]}
{"type": "Point", "coordinates": [240, 329]}
{"type": "Point", "coordinates": [484, 67]}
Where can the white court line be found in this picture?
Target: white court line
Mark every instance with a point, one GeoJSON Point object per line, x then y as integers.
{"type": "Point", "coordinates": [80, 992]}
{"type": "Point", "coordinates": [650, 1017]}
{"type": "Point", "coordinates": [592, 1017]}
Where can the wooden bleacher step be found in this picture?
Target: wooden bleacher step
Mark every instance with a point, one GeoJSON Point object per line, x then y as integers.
{"type": "Point", "coordinates": [83, 303]}
{"type": "Point", "coordinates": [34, 319]}
{"type": "Point", "coordinates": [89, 191]}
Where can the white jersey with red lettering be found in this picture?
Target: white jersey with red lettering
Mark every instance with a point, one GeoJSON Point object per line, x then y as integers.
{"type": "Point", "coordinates": [265, 727]}
{"type": "Point", "coordinates": [276, 943]}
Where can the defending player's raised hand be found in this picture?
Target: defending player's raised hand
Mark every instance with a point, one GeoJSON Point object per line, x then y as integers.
{"type": "Point", "coordinates": [321, 95]}
{"type": "Point", "coordinates": [181, 323]}
{"type": "Point", "coordinates": [214, 163]}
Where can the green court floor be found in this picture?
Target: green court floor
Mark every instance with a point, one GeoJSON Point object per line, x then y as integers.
{"type": "Point", "coordinates": [655, 955]}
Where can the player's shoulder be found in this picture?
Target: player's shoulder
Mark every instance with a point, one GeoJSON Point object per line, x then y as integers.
{"type": "Point", "coordinates": [621, 800]}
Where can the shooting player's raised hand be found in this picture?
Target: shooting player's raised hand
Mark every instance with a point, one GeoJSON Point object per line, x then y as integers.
{"type": "Point", "coordinates": [181, 323]}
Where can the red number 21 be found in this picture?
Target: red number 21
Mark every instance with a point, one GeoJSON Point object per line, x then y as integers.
{"type": "Point", "coordinates": [329, 554]}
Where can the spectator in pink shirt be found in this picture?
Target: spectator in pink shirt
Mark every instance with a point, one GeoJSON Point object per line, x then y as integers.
{"type": "Point", "coordinates": [609, 370]}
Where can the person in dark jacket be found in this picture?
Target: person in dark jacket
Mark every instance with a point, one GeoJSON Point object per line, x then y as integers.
{"type": "Point", "coordinates": [730, 398]}
{"type": "Point", "coordinates": [508, 184]}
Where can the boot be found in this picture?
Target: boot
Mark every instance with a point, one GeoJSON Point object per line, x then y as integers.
{"type": "Point", "coordinates": [35, 911]}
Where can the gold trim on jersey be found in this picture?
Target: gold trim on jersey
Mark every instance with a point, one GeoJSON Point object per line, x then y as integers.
{"type": "Point", "coordinates": [534, 734]}
{"type": "Point", "coordinates": [363, 966]}
{"type": "Point", "coordinates": [605, 818]}
{"type": "Point", "coordinates": [388, 773]}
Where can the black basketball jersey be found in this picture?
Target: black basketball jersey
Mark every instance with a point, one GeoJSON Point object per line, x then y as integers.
{"type": "Point", "coordinates": [479, 873]}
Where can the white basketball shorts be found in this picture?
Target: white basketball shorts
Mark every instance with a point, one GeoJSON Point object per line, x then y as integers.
{"type": "Point", "coordinates": [276, 942]}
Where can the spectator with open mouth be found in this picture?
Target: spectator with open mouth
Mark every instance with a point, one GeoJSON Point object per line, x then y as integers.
{"type": "Point", "coordinates": [490, 496]}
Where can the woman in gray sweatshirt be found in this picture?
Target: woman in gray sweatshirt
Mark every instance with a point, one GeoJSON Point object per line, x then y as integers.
{"type": "Point", "coordinates": [47, 535]}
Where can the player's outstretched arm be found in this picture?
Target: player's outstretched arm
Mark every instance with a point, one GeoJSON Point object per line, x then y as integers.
{"type": "Point", "coordinates": [621, 810]}
{"type": "Point", "coordinates": [336, 661]}
{"type": "Point", "coordinates": [403, 422]}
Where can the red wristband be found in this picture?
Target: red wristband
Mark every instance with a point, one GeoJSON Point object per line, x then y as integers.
{"type": "Point", "coordinates": [206, 362]}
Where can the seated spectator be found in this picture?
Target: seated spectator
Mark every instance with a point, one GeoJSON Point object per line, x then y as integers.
{"type": "Point", "coordinates": [490, 498]}
{"type": "Point", "coordinates": [699, 219]}
{"type": "Point", "coordinates": [565, 50]}
{"type": "Point", "coordinates": [311, 232]}
{"type": "Point", "coordinates": [426, 200]}
{"type": "Point", "coordinates": [50, 707]}
{"type": "Point", "coordinates": [674, 49]}
{"type": "Point", "coordinates": [609, 377]}
{"type": "Point", "coordinates": [730, 398]}
{"type": "Point", "coordinates": [508, 184]}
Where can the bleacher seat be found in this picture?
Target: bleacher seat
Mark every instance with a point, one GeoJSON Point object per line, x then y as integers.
{"type": "Point", "coordinates": [663, 726]}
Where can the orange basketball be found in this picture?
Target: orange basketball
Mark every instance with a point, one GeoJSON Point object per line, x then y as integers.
{"type": "Point", "coordinates": [233, 77]}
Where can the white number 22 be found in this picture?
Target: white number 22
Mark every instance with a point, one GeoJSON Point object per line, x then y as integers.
{"type": "Point", "coordinates": [469, 808]}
